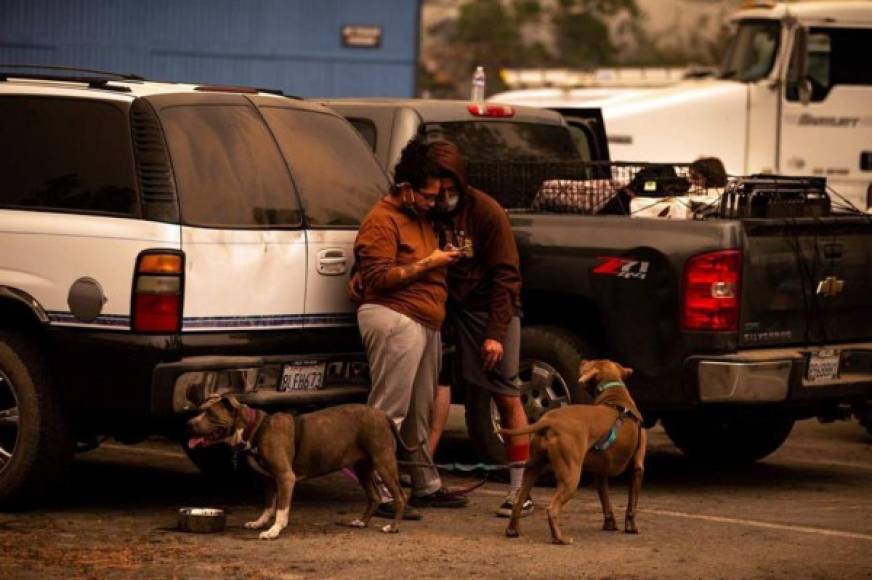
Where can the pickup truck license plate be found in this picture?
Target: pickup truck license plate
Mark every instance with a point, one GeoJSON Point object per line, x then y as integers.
{"type": "Point", "coordinates": [823, 365]}
{"type": "Point", "coordinates": [304, 375]}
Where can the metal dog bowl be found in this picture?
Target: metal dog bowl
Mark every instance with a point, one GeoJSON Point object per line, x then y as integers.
{"type": "Point", "coordinates": [201, 520]}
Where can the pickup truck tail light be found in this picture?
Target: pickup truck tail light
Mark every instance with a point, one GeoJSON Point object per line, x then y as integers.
{"type": "Point", "coordinates": [158, 286]}
{"type": "Point", "coordinates": [491, 110]}
{"type": "Point", "coordinates": [710, 291]}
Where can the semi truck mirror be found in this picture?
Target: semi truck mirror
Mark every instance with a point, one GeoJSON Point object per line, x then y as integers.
{"type": "Point", "coordinates": [798, 85]}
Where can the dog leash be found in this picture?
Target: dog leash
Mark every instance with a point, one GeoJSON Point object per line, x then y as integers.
{"type": "Point", "coordinates": [349, 474]}
{"type": "Point", "coordinates": [465, 467]}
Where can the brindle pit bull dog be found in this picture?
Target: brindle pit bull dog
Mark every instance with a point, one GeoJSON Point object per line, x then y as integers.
{"type": "Point", "coordinates": [604, 438]}
{"type": "Point", "coordinates": [287, 449]}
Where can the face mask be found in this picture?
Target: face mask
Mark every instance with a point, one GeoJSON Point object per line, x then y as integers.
{"type": "Point", "coordinates": [450, 203]}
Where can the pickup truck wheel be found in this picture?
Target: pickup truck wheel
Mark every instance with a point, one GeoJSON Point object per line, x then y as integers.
{"type": "Point", "coordinates": [36, 442]}
{"type": "Point", "coordinates": [548, 371]}
{"type": "Point", "coordinates": [737, 436]}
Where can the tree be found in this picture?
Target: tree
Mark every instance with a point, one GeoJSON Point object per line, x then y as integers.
{"type": "Point", "coordinates": [582, 34]}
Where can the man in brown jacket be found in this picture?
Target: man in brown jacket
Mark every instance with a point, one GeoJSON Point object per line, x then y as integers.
{"type": "Point", "coordinates": [484, 291]}
{"type": "Point", "coordinates": [400, 285]}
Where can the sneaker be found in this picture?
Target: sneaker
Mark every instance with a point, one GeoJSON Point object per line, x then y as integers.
{"type": "Point", "coordinates": [505, 509]}
{"type": "Point", "coordinates": [386, 510]}
{"type": "Point", "coordinates": [441, 498]}
{"type": "Point", "coordinates": [405, 480]}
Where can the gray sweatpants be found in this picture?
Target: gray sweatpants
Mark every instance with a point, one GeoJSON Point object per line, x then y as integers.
{"type": "Point", "coordinates": [404, 360]}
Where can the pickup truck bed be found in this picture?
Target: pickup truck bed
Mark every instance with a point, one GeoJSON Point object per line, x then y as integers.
{"type": "Point", "coordinates": [632, 272]}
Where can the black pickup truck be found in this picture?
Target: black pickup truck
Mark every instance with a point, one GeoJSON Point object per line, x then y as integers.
{"type": "Point", "coordinates": [735, 327]}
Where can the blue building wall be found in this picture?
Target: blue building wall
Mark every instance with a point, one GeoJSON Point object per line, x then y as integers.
{"type": "Point", "coordinates": [292, 45]}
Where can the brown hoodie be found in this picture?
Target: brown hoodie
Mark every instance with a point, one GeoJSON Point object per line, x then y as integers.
{"type": "Point", "coordinates": [389, 237]}
{"type": "Point", "coordinates": [491, 280]}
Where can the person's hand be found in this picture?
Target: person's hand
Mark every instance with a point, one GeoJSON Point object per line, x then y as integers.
{"type": "Point", "coordinates": [491, 353]}
{"type": "Point", "coordinates": [444, 257]}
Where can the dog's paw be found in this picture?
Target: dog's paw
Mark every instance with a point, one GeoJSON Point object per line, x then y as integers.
{"type": "Point", "coordinates": [255, 525]}
{"type": "Point", "coordinates": [564, 541]}
{"type": "Point", "coordinates": [631, 529]}
{"type": "Point", "coordinates": [390, 529]}
{"type": "Point", "coordinates": [270, 534]}
{"type": "Point", "coordinates": [609, 525]}
{"type": "Point", "coordinates": [512, 533]}
{"type": "Point", "coordinates": [357, 524]}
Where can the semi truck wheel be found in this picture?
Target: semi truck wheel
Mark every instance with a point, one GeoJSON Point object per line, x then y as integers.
{"type": "Point", "coordinates": [36, 441]}
{"type": "Point", "coordinates": [548, 372]}
{"type": "Point", "coordinates": [735, 436]}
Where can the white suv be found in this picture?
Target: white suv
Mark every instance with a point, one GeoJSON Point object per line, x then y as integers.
{"type": "Point", "coordinates": [160, 242]}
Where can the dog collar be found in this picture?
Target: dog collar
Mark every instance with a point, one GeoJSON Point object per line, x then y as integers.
{"type": "Point", "coordinates": [609, 385]}
{"type": "Point", "coordinates": [252, 425]}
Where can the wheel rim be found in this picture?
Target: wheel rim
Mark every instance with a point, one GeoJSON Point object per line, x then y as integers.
{"type": "Point", "coordinates": [542, 389]}
{"type": "Point", "coordinates": [8, 421]}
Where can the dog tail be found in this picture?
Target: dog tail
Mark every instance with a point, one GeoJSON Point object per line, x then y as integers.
{"type": "Point", "coordinates": [399, 438]}
{"type": "Point", "coordinates": [534, 428]}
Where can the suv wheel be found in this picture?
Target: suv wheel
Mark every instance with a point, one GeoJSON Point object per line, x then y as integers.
{"type": "Point", "coordinates": [548, 371]}
{"type": "Point", "coordinates": [36, 442]}
{"type": "Point", "coordinates": [735, 436]}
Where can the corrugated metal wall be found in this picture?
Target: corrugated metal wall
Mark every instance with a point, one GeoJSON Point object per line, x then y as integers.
{"type": "Point", "coordinates": [293, 45]}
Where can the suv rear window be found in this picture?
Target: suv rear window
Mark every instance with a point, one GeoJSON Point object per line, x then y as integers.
{"type": "Point", "coordinates": [229, 172]}
{"type": "Point", "coordinates": [336, 174]}
{"type": "Point", "coordinates": [69, 155]}
{"type": "Point", "coordinates": [497, 141]}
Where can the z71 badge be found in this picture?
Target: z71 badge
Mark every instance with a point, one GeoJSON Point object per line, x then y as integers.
{"type": "Point", "coordinates": [622, 267]}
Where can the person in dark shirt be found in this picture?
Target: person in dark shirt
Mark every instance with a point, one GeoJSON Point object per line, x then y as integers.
{"type": "Point", "coordinates": [484, 289]}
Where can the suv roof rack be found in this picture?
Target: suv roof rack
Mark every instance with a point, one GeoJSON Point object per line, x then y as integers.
{"type": "Point", "coordinates": [92, 82]}
{"type": "Point", "coordinates": [96, 79]}
{"type": "Point", "coordinates": [96, 72]}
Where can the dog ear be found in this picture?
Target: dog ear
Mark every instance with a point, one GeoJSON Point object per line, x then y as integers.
{"type": "Point", "coordinates": [210, 400]}
{"type": "Point", "coordinates": [626, 373]}
{"type": "Point", "coordinates": [232, 404]}
{"type": "Point", "coordinates": [587, 370]}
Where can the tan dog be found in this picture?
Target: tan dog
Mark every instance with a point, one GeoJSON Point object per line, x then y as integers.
{"type": "Point", "coordinates": [287, 449]}
{"type": "Point", "coordinates": [569, 437]}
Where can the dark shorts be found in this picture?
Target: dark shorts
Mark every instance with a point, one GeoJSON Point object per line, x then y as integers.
{"type": "Point", "coordinates": [470, 328]}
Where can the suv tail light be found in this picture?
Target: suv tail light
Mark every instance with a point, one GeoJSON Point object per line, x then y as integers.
{"type": "Point", "coordinates": [158, 285]}
{"type": "Point", "coordinates": [710, 289]}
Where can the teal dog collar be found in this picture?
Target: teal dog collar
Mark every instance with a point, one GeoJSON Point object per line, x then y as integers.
{"type": "Point", "coordinates": [609, 385]}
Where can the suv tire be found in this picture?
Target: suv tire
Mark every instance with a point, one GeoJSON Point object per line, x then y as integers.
{"type": "Point", "coordinates": [35, 437]}
{"type": "Point", "coordinates": [554, 353]}
{"type": "Point", "coordinates": [732, 436]}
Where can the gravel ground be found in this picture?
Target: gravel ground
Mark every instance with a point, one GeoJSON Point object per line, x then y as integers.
{"type": "Point", "coordinates": [804, 512]}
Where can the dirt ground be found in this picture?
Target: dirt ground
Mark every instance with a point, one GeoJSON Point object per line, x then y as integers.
{"type": "Point", "coordinates": [804, 512]}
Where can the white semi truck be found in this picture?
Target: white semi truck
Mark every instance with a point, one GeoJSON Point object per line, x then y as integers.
{"type": "Point", "coordinates": [793, 96]}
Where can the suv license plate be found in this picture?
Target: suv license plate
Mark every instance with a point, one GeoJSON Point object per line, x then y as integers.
{"type": "Point", "coordinates": [823, 365]}
{"type": "Point", "coordinates": [306, 375]}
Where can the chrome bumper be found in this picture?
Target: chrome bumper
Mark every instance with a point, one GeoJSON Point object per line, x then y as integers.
{"type": "Point", "coordinates": [180, 387]}
{"type": "Point", "coordinates": [766, 376]}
